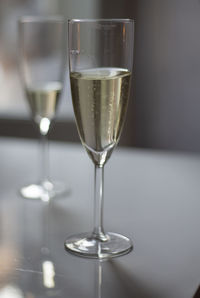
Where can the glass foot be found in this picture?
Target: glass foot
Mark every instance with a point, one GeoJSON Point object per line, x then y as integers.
{"type": "Point", "coordinates": [44, 191]}
{"type": "Point", "coordinates": [84, 245]}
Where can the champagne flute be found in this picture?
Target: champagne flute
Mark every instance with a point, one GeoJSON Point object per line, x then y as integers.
{"type": "Point", "coordinates": [101, 57]}
{"type": "Point", "coordinates": [42, 66]}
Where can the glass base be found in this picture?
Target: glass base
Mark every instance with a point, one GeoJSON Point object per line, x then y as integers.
{"type": "Point", "coordinates": [44, 191]}
{"type": "Point", "coordinates": [85, 245]}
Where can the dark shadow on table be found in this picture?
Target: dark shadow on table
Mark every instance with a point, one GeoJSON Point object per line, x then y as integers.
{"type": "Point", "coordinates": [197, 293]}
{"type": "Point", "coordinates": [129, 284]}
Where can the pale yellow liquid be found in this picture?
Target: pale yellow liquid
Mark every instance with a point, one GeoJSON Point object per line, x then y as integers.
{"type": "Point", "coordinates": [100, 98]}
{"type": "Point", "coordinates": [43, 99]}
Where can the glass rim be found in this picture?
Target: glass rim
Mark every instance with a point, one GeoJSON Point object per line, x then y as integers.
{"type": "Point", "coordinates": [100, 20]}
{"type": "Point", "coordinates": [40, 19]}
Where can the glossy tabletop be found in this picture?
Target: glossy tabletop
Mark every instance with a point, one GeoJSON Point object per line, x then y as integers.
{"type": "Point", "coordinates": [153, 197]}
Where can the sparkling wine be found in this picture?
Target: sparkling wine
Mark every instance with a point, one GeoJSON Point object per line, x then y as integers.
{"type": "Point", "coordinates": [43, 99]}
{"type": "Point", "coordinates": [100, 98]}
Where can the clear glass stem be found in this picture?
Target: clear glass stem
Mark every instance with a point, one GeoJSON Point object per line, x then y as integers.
{"type": "Point", "coordinates": [98, 231]}
{"type": "Point", "coordinates": [44, 125]}
{"type": "Point", "coordinates": [44, 158]}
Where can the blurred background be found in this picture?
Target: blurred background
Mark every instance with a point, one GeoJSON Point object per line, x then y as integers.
{"type": "Point", "coordinates": [164, 109]}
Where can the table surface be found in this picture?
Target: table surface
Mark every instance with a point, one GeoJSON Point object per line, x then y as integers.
{"type": "Point", "coordinates": [153, 197]}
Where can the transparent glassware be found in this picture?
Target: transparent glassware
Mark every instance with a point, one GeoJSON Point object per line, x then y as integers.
{"type": "Point", "coordinates": [100, 58]}
{"type": "Point", "coordinates": [42, 45]}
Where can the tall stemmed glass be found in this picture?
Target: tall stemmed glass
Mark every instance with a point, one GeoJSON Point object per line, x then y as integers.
{"type": "Point", "coordinates": [42, 65]}
{"type": "Point", "coordinates": [101, 57]}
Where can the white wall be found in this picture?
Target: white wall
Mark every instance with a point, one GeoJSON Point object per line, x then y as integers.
{"type": "Point", "coordinates": [81, 8]}
{"type": "Point", "coordinates": [12, 101]}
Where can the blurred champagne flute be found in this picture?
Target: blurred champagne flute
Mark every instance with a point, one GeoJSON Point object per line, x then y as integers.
{"type": "Point", "coordinates": [42, 67]}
